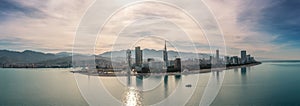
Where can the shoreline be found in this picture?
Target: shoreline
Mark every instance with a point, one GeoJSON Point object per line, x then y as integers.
{"type": "Point", "coordinates": [112, 74]}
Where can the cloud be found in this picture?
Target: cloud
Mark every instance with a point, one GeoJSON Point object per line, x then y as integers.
{"type": "Point", "coordinates": [259, 26]}
{"type": "Point", "coordinates": [49, 25]}
{"type": "Point", "coordinates": [166, 22]}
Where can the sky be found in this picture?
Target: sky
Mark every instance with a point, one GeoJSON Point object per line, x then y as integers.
{"type": "Point", "coordinates": [267, 29]}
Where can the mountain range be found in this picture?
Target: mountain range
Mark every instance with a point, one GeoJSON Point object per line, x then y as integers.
{"type": "Point", "coordinates": [27, 56]}
{"type": "Point", "coordinates": [34, 57]}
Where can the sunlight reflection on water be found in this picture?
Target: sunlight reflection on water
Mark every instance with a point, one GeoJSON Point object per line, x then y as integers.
{"type": "Point", "coordinates": [132, 97]}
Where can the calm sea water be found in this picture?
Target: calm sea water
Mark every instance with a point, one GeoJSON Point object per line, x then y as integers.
{"type": "Point", "coordinates": [276, 84]}
{"type": "Point", "coordinates": [38, 87]}
{"type": "Point", "coordinates": [266, 84]}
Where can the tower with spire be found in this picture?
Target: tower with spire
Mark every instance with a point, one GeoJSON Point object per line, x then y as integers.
{"type": "Point", "coordinates": [165, 55]}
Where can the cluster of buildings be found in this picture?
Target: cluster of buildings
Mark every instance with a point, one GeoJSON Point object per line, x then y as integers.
{"type": "Point", "coordinates": [227, 60]}
{"type": "Point", "coordinates": [166, 65]}
{"type": "Point", "coordinates": [244, 59]}
{"type": "Point", "coordinates": [152, 65]}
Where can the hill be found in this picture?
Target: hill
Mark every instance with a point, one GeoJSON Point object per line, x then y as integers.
{"type": "Point", "coordinates": [27, 56]}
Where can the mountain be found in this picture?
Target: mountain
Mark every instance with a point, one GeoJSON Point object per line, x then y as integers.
{"type": "Point", "coordinates": [33, 59]}
{"type": "Point", "coordinates": [27, 56]}
{"type": "Point", "coordinates": [63, 54]}
{"type": "Point", "coordinates": [58, 61]}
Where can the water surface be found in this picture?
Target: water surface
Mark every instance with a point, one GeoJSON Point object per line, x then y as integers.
{"type": "Point", "coordinates": [275, 84]}
{"type": "Point", "coordinates": [39, 87]}
{"type": "Point", "coordinates": [270, 83]}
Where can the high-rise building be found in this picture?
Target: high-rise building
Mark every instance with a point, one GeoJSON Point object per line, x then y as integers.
{"type": "Point", "coordinates": [243, 56]}
{"type": "Point", "coordinates": [210, 60]}
{"type": "Point", "coordinates": [227, 59]}
{"type": "Point", "coordinates": [248, 58]}
{"type": "Point", "coordinates": [138, 56]}
{"type": "Point", "coordinates": [235, 60]}
{"type": "Point", "coordinates": [217, 55]}
{"type": "Point", "coordinates": [128, 52]}
{"type": "Point", "coordinates": [165, 55]}
{"type": "Point", "coordinates": [177, 64]}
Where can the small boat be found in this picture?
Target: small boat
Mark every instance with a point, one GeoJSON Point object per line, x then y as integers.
{"type": "Point", "coordinates": [188, 85]}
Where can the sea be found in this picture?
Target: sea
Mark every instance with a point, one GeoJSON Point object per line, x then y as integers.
{"type": "Point", "coordinates": [267, 84]}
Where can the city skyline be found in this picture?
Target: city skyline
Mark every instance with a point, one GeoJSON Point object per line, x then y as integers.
{"type": "Point", "coordinates": [39, 26]}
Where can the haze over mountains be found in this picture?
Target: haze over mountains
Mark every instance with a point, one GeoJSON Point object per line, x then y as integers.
{"type": "Point", "coordinates": [26, 56]}
{"type": "Point", "coordinates": [65, 58]}
{"type": "Point", "coordinates": [30, 57]}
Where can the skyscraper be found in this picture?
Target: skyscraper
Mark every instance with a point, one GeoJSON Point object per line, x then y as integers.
{"type": "Point", "coordinates": [243, 56]}
{"type": "Point", "coordinates": [128, 52]}
{"type": "Point", "coordinates": [177, 64]}
{"type": "Point", "coordinates": [210, 60]}
{"type": "Point", "coordinates": [217, 55]}
{"type": "Point", "coordinates": [138, 56]}
{"type": "Point", "coordinates": [165, 55]}
{"type": "Point", "coordinates": [235, 60]}
{"type": "Point", "coordinates": [248, 58]}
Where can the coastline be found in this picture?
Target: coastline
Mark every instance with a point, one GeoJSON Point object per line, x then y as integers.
{"type": "Point", "coordinates": [112, 74]}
